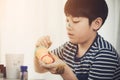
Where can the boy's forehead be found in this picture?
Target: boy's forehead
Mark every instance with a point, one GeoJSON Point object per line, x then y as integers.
{"type": "Point", "coordinates": [74, 18]}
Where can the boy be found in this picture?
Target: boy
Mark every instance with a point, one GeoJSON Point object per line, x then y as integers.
{"type": "Point", "coordinates": [87, 56]}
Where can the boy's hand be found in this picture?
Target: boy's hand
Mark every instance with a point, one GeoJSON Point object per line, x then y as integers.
{"type": "Point", "coordinates": [44, 41]}
{"type": "Point", "coordinates": [57, 67]}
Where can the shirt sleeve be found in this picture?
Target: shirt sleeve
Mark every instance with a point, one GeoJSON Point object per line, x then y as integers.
{"type": "Point", "coordinates": [59, 51]}
{"type": "Point", "coordinates": [104, 66]}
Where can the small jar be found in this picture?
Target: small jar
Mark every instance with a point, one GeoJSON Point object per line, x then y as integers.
{"type": "Point", "coordinates": [23, 73]}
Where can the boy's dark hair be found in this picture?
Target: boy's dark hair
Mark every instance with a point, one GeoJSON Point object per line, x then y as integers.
{"type": "Point", "coordinates": [87, 8]}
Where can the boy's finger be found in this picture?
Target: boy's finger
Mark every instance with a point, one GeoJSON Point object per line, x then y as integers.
{"type": "Point", "coordinates": [48, 40]}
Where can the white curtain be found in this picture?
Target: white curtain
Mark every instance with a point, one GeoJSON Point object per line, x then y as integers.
{"type": "Point", "coordinates": [111, 29]}
{"type": "Point", "coordinates": [117, 20]}
{"type": "Point", "coordinates": [22, 22]}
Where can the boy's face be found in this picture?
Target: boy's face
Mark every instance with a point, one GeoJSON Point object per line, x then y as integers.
{"type": "Point", "coordinates": [79, 30]}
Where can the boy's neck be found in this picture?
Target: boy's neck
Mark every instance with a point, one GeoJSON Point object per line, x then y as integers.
{"type": "Point", "coordinates": [82, 48]}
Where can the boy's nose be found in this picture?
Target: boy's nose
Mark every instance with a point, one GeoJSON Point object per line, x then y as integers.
{"type": "Point", "coordinates": [69, 28]}
{"type": "Point", "coordinates": [68, 24]}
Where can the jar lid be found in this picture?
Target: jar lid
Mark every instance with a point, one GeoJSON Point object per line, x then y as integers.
{"type": "Point", "coordinates": [23, 68]}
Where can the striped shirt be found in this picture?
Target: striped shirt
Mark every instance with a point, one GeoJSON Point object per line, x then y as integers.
{"type": "Point", "coordinates": [100, 62]}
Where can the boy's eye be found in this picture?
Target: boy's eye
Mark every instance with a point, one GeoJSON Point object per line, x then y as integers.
{"type": "Point", "coordinates": [75, 19]}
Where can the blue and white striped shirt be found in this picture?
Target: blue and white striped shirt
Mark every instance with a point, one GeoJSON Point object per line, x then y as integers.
{"type": "Point", "coordinates": [100, 62]}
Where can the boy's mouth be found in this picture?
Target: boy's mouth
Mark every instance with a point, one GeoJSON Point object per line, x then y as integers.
{"type": "Point", "coordinates": [70, 34]}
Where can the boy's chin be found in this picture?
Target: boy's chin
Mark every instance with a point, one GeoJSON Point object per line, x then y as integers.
{"type": "Point", "coordinates": [74, 42]}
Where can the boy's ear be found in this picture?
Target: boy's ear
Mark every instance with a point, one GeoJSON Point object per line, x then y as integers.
{"type": "Point", "coordinates": [97, 23]}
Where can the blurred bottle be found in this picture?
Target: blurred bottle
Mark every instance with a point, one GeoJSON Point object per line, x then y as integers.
{"type": "Point", "coordinates": [2, 71]}
{"type": "Point", "coordinates": [23, 73]}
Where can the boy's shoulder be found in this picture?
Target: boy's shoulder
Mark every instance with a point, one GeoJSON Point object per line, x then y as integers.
{"type": "Point", "coordinates": [103, 44]}
{"type": "Point", "coordinates": [104, 47]}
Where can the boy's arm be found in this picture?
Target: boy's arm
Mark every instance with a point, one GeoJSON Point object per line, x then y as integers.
{"type": "Point", "coordinates": [68, 74]}
{"type": "Point", "coordinates": [59, 67]}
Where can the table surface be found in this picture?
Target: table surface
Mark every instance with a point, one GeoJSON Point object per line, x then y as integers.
{"type": "Point", "coordinates": [19, 79]}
